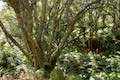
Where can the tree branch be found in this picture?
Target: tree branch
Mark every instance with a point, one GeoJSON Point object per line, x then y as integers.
{"type": "Point", "coordinates": [8, 35]}
{"type": "Point", "coordinates": [56, 53]}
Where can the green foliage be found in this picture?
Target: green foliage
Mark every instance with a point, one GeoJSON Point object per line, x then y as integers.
{"type": "Point", "coordinates": [8, 60]}
{"type": "Point", "coordinates": [57, 75]}
{"type": "Point", "coordinates": [91, 65]}
{"type": "Point", "coordinates": [73, 77]}
{"type": "Point", "coordinates": [98, 22]}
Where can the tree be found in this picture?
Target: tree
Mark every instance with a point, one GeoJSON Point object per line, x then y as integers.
{"type": "Point", "coordinates": [45, 26]}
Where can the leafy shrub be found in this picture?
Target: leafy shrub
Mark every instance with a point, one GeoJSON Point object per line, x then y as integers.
{"type": "Point", "coordinates": [8, 60]}
{"type": "Point", "coordinates": [91, 65]}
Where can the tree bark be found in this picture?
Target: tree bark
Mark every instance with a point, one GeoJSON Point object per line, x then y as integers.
{"type": "Point", "coordinates": [24, 13]}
